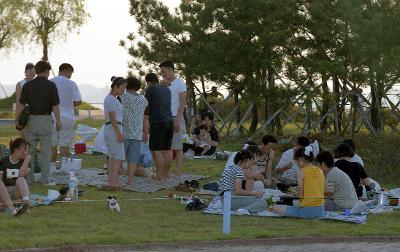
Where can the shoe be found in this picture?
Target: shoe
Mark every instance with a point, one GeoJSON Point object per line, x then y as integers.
{"type": "Point", "coordinates": [242, 211]}
{"type": "Point", "coordinates": [18, 211]}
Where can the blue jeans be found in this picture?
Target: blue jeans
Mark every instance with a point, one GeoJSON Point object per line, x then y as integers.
{"type": "Point", "coordinates": [132, 151]}
{"type": "Point", "coordinates": [305, 212]}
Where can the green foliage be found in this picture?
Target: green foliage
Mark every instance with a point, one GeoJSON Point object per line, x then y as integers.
{"type": "Point", "coordinates": [12, 25]}
{"type": "Point", "coordinates": [86, 106]}
{"type": "Point", "coordinates": [55, 19]}
{"type": "Point", "coordinates": [272, 52]}
{"type": "Point", "coordinates": [7, 103]}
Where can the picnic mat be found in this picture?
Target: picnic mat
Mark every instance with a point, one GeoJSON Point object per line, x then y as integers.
{"type": "Point", "coordinates": [98, 178]}
{"type": "Point", "coordinates": [215, 207]}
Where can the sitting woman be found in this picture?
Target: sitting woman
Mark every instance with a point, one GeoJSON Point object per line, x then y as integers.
{"type": "Point", "coordinates": [311, 188]}
{"type": "Point", "coordinates": [233, 179]}
{"type": "Point", "coordinates": [205, 136]}
{"type": "Point", "coordinates": [354, 170]}
{"type": "Point", "coordinates": [340, 190]}
{"type": "Point", "coordinates": [13, 171]}
{"type": "Point", "coordinates": [201, 144]}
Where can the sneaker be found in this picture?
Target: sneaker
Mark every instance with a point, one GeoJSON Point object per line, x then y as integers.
{"type": "Point", "coordinates": [242, 211]}
{"type": "Point", "coordinates": [18, 211]}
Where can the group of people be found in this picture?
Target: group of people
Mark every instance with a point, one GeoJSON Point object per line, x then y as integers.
{"type": "Point", "coordinates": [325, 182]}
{"type": "Point", "coordinates": [131, 117]}
{"type": "Point", "coordinates": [49, 107]}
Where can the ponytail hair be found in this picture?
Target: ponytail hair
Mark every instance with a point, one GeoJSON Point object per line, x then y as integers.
{"type": "Point", "coordinates": [17, 143]}
{"type": "Point", "coordinates": [305, 153]}
{"type": "Point", "coordinates": [117, 81]}
{"type": "Point", "coordinates": [251, 146]}
{"type": "Point", "coordinates": [243, 155]}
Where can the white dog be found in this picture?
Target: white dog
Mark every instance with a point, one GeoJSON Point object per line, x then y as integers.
{"type": "Point", "coordinates": [112, 203]}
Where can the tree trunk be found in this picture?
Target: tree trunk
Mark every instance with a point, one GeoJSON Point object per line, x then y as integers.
{"type": "Point", "coordinates": [45, 44]}
{"type": "Point", "coordinates": [336, 91]}
{"type": "Point", "coordinates": [374, 102]}
{"type": "Point", "coordinates": [254, 119]}
{"type": "Point", "coordinates": [203, 86]}
{"type": "Point", "coordinates": [192, 105]}
{"type": "Point", "coordinates": [236, 95]}
{"type": "Point", "coordinates": [325, 103]}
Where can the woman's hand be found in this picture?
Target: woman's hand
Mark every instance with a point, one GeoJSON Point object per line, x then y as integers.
{"type": "Point", "coordinates": [120, 137]}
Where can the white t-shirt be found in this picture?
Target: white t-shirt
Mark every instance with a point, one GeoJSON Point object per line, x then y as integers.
{"type": "Point", "coordinates": [357, 159]}
{"type": "Point", "coordinates": [111, 103]}
{"type": "Point", "coordinates": [230, 161]}
{"type": "Point", "coordinates": [68, 92]}
{"type": "Point", "coordinates": [286, 158]}
{"type": "Point", "coordinates": [177, 86]}
{"type": "Point", "coordinates": [22, 83]}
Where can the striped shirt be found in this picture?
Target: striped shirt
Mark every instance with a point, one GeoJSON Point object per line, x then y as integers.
{"type": "Point", "coordinates": [262, 164]}
{"type": "Point", "coordinates": [340, 184]}
{"type": "Point", "coordinates": [227, 182]}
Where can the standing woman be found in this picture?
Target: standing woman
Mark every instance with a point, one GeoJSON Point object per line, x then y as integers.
{"type": "Point", "coordinates": [113, 130]}
{"type": "Point", "coordinates": [30, 74]}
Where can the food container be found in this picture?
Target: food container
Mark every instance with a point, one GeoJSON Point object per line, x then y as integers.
{"type": "Point", "coordinates": [394, 201]}
{"type": "Point", "coordinates": [381, 198]}
{"type": "Point", "coordinates": [80, 148]}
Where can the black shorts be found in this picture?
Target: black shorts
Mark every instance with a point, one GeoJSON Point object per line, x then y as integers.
{"type": "Point", "coordinates": [161, 136]}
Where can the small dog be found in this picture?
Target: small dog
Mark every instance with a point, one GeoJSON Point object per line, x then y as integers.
{"type": "Point", "coordinates": [112, 203]}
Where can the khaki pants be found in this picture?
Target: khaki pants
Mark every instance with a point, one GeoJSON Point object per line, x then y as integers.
{"type": "Point", "coordinates": [39, 131]}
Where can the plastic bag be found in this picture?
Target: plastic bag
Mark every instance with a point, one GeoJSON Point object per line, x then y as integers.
{"type": "Point", "coordinates": [146, 159]}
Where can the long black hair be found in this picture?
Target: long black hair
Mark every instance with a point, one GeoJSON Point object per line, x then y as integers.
{"type": "Point", "coordinates": [301, 153]}
{"type": "Point", "coordinates": [117, 81]}
{"type": "Point", "coordinates": [243, 155]}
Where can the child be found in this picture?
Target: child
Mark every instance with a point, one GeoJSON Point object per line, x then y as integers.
{"type": "Point", "coordinates": [233, 179]}
{"type": "Point", "coordinates": [113, 130]}
{"type": "Point", "coordinates": [311, 188]}
{"type": "Point", "coordinates": [13, 171]}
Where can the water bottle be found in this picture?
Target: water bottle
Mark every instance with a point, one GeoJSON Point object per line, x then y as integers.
{"type": "Point", "coordinates": [73, 186]}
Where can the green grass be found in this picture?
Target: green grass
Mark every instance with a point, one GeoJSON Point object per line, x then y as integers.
{"type": "Point", "coordinates": [153, 220]}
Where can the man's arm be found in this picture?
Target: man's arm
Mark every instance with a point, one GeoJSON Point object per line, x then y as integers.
{"type": "Point", "coordinates": [181, 109]}
{"type": "Point", "coordinates": [56, 111]}
{"type": "Point", "coordinates": [77, 95]}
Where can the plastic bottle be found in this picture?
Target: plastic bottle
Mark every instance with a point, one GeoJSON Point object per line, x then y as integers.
{"type": "Point", "coordinates": [73, 187]}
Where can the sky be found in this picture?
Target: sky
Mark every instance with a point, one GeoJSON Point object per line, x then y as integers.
{"type": "Point", "coordinates": [94, 52]}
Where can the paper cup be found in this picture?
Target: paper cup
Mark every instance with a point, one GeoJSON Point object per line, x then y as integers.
{"type": "Point", "coordinates": [52, 194]}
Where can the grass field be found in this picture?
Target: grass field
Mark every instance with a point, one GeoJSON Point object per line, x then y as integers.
{"type": "Point", "coordinates": [151, 220]}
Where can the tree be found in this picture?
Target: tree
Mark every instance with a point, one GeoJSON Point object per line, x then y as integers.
{"type": "Point", "coordinates": [12, 26]}
{"type": "Point", "coordinates": [53, 19]}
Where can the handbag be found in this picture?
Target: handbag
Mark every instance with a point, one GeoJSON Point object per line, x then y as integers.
{"type": "Point", "coordinates": [23, 117]}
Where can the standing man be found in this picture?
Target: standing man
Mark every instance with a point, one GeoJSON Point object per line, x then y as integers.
{"type": "Point", "coordinates": [161, 125]}
{"type": "Point", "coordinates": [178, 104]}
{"type": "Point", "coordinates": [42, 97]}
{"type": "Point", "coordinates": [70, 97]}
